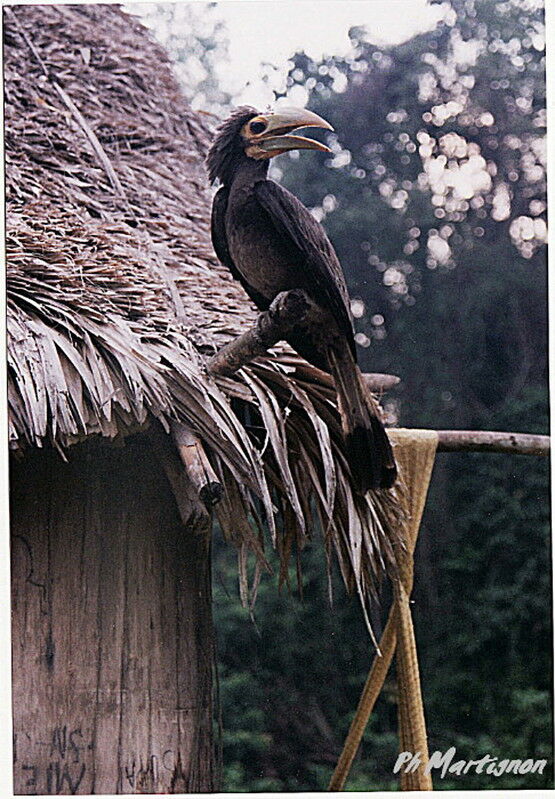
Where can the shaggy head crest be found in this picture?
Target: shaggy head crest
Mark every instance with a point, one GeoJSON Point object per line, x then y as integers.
{"type": "Point", "coordinates": [227, 151]}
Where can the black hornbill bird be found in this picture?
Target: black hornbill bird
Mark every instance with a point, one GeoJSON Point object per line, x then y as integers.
{"type": "Point", "coordinates": [271, 243]}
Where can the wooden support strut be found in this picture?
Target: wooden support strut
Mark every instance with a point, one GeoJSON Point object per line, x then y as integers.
{"type": "Point", "coordinates": [197, 465]}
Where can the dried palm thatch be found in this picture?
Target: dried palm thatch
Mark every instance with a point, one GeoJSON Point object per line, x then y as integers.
{"type": "Point", "coordinates": [115, 297]}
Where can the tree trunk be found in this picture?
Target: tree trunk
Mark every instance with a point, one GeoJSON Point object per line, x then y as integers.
{"type": "Point", "coordinates": [112, 632]}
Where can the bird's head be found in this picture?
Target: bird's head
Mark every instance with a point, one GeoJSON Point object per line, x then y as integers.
{"type": "Point", "coordinates": [248, 134]}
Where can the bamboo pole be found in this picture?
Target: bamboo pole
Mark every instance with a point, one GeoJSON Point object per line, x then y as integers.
{"type": "Point", "coordinates": [489, 441]}
{"type": "Point", "coordinates": [447, 441]}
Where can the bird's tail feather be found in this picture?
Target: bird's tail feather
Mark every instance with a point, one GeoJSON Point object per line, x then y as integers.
{"type": "Point", "coordinates": [368, 449]}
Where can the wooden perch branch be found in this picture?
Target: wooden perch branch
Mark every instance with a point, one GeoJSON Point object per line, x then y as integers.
{"type": "Point", "coordinates": [289, 309]}
{"type": "Point", "coordinates": [197, 465]}
{"type": "Point", "coordinates": [487, 441]}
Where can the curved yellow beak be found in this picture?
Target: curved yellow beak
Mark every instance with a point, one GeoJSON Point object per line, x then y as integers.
{"type": "Point", "coordinates": [276, 138]}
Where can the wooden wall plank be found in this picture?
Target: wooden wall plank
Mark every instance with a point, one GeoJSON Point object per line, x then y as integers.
{"type": "Point", "coordinates": [112, 633]}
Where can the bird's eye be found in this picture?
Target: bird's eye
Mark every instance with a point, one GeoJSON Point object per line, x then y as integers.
{"type": "Point", "coordinates": [257, 127]}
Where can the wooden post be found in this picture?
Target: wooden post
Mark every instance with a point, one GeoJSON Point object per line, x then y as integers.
{"type": "Point", "coordinates": [112, 632]}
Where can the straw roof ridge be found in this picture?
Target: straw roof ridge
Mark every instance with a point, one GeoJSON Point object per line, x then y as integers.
{"type": "Point", "coordinates": [114, 293]}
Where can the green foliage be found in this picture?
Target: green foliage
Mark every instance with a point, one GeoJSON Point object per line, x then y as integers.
{"type": "Point", "coordinates": [290, 681]}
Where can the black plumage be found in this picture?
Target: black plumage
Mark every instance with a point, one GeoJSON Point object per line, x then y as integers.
{"type": "Point", "coordinates": [271, 243]}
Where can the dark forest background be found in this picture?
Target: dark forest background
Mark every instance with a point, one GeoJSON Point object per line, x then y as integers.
{"type": "Point", "coordinates": [435, 199]}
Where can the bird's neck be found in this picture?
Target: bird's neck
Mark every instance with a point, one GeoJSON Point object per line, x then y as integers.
{"type": "Point", "coordinates": [249, 172]}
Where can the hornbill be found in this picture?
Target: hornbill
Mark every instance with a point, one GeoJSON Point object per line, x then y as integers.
{"type": "Point", "coordinates": [271, 243]}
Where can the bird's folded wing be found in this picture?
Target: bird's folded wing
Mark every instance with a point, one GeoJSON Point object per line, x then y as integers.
{"type": "Point", "coordinates": [322, 275]}
{"type": "Point", "coordinates": [219, 242]}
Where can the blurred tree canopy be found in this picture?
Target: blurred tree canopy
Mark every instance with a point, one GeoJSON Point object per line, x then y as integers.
{"type": "Point", "coordinates": [196, 41]}
{"type": "Point", "coordinates": [435, 199]}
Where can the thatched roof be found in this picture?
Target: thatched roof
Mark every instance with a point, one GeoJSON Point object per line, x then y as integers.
{"type": "Point", "coordinates": [114, 293]}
